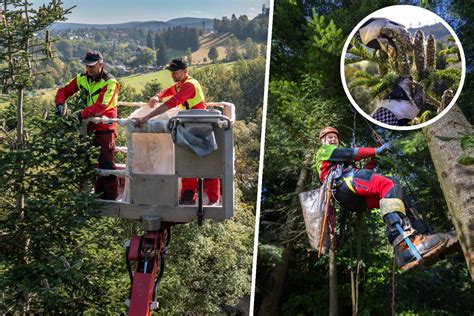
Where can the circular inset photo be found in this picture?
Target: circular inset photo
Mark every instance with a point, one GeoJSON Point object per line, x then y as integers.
{"type": "Point", "coordinates": [403, 67]}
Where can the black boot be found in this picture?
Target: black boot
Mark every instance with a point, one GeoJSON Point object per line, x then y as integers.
{"type": "Point", "coordinates": [428, 247]}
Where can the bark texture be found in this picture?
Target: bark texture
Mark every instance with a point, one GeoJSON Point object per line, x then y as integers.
{"type": "Point", "coordinates": [457, 181]}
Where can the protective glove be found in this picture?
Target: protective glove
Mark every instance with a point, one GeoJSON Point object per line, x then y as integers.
{"type": "Point", "coordinates": [60, 109]}
{"type": "Point", "coordinates": [387, 147]}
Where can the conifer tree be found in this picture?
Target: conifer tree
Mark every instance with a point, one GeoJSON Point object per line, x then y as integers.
{"type": "Point", "coordinates": [213, 54]}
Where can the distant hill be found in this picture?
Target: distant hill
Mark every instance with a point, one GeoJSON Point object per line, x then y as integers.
{"type": "Point", "coordinates": [151, 25]}
{"type": "Point", "coordinates": [439, 31]}
{"type": "Point", "coordinates": [192, 22]}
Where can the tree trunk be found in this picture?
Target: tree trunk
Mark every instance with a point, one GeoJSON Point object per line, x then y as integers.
{"type": "Point", "coordinates": [24, 241]}
{"type": "Point", "coordinates": [332, 278]}
{"type": "Point", "coordinates": [456, 180]}
{"type": "Point", "coordinates": [271, 301]}
{"type": "Point", "coordinates": [20, 199]}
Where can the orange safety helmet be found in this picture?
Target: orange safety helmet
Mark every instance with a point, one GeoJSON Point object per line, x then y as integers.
{"type": "Point", "coordinates": [327, 130]}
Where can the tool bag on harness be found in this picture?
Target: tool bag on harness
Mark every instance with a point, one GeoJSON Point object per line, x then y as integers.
{"type": "Point", "coordinates": [313, 204]}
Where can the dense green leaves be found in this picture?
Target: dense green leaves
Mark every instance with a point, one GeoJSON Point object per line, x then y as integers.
{"type": "Point", "coordinates": [59, 257]}
{"type": "Point", "coordinates": [305, 96]}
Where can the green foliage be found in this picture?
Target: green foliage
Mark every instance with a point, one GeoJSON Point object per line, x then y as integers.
{"type": "Point", "coordinates": [241, 84]}
{"type": "Point", "coordinates": [145, 57]}
{"type": "Point", "coordinates": [57, 271]}
{"type": "Point", "coordinates": [233, 50]}
{"type": "Point", "coordinates": [189, 57]}
{"type": "Point", "coordinates": [300, 104]}
{"type": "Point", "coordinates": [247, 153]}
{"type": "Point", "coordinates": [323, 45]}
{"type": "Point", "coordinates": [440, 80]}
{"type": "Point", "coordinates": [209, 265]}
{"type": "Point", "coordinates": [60, 258]}
{"type": "Point", "coordinates": [18, 38]}
{"type": "Point", "coordinates": [213, 54]}
{"type": "Point", "coordinates": [242, 27]}
{"type": "Point", "coordinates": [251, 49]}
{"type": "Point", "coordinates": [162, 57]}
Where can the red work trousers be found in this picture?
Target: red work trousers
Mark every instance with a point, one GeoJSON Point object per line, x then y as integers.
{"type": "Point", "coordinates": [106, 186]}
{"type": "Point", "coordinates": [375, 188]}
{"type": "Point", "coordinates": [211, 187]}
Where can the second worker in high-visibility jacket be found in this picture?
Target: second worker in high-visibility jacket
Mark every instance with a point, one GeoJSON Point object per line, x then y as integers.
{"type": "Point", "coordinates": [188, 95]}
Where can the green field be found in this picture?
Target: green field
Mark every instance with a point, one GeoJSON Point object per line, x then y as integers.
{"type": "Point", "coordinates": [138, 81]}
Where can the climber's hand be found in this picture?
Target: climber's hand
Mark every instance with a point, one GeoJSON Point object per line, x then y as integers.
{"type": "Point", "coordinates": [385, 148]}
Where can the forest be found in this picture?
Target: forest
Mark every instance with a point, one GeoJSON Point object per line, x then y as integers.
{"type": "Point", "coordinates": [305, 95]}
{"type": "Point", "coordinates": [58, 255]}
{"type": "Point", "coordinates": [138, 50]}
{"type": "Point", "coordinates": [242, 27]}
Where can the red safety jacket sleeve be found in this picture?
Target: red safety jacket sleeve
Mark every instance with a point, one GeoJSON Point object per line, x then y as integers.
{"type": "Point", "coordinates": [65, 92]}
{"type": "Point", "coordinates": [186, 92]}
{"type": "Point", "coordinates": [168, 92]}
{"type": "Point", "coordinates": [104, 101]}
{"type": "Point", "coordinates": [363, 152]}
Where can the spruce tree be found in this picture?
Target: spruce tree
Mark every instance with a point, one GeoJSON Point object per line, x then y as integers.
{"type": "Point", "coordinates": [213, 54]}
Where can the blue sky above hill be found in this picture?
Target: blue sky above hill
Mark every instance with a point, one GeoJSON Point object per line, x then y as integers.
{"type": "Point", "coordinates": [118, 11]}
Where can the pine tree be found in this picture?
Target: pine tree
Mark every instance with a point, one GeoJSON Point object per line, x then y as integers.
{"type": "Point", "coordinates": [162, 54]}
{"type": "Point", "coordinates": [149, 40]}
{"type": "Point", "coordinates": [213, 54]}
{"type": "Point", "coordinates": [189, 56]}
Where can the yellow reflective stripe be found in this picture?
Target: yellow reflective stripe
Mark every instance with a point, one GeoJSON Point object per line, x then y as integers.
{"type": "Point", "coordinates": [198, 96]}
{"type": "Point", "coordinates": [349, 185]}
{"type": "Point", "coordinates": [110, 96]}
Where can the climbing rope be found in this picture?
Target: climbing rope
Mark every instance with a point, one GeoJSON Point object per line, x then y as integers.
{"type": "Point", "coordinates": [353, 143]}
{"type": "Point", "coordinates": [327, 200]}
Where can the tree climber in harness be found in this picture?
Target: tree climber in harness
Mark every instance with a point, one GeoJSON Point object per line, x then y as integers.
{"type": "Point", "coordinates": [188, 95]}
{"type": "Point", "coordinates": [99, 93]}
{"type": "Point", "coordinates": [359, 189]}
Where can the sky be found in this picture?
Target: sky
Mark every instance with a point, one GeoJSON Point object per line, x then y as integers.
{"type": "Point", "coordinates": [119, 11]}
{"type": "Point", "coordinates": [409, 16]}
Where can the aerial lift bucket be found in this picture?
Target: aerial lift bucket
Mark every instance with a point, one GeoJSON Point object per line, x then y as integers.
{"type": "Point", "coordinates": [155, 166]}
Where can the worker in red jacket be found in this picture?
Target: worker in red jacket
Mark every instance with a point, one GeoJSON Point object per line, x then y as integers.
{"type": "Point", "coordinates": [188, 95]}
{"type": "Point", "coordinates": [99, 91]}
{"type": "Point", "coordinates": [358, 189]}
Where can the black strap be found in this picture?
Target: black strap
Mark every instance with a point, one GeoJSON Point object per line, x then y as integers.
{"type": "Point", "coordinates": [104, 132]}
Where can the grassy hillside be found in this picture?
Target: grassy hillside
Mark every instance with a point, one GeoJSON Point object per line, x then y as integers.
{"type": "Point", "coordinates": [208, 41]}
{"type": "Point", "coordinates": [136, 81]}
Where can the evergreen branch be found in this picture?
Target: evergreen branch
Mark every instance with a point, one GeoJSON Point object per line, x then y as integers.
{"type": "Point", "coordinates": [379, 88]}
{"type": "Point", "coordinates": [352, 60]}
